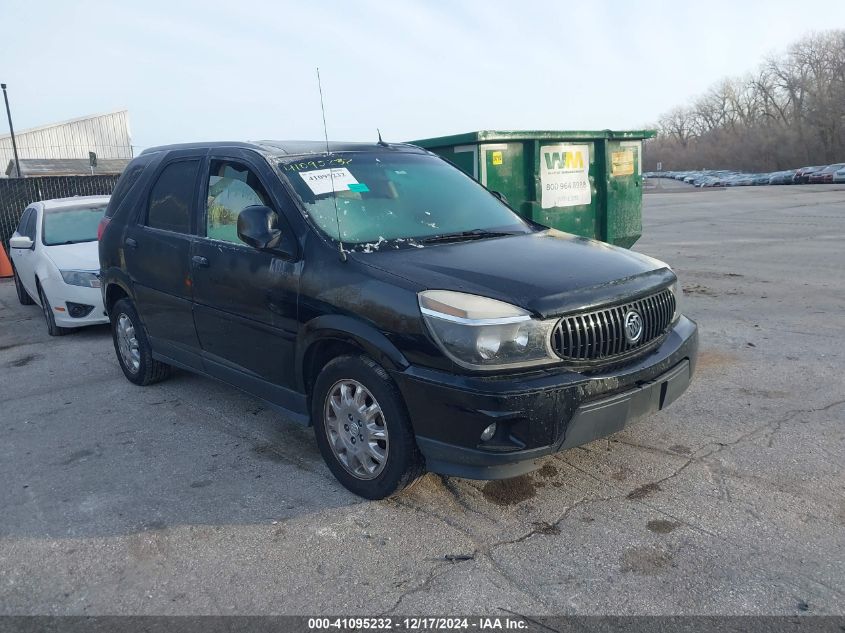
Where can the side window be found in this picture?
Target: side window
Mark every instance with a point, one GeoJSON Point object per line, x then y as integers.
{"type": "Point", "coordinates": [172, 196]}
{"type": "Point", "coordinates": [232, 187]}
{"type": "Point", "coordinates": [24, 219]}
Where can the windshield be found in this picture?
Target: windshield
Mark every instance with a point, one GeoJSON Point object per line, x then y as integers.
{"type": "Point", "coordinates": [70, 225]}
{"type": "Point", "coordinates": [400, 197]}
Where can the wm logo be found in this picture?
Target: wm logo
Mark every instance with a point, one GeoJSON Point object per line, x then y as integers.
{"type": "Point", "coordinates": [565, 160]}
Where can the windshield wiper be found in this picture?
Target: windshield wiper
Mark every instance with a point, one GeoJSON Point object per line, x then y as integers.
{"type": "Point", "coordinates": [473, 234]}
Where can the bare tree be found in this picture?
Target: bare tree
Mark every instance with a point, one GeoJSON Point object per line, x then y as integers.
{"type": "Point", "coordinates": [788, 113]}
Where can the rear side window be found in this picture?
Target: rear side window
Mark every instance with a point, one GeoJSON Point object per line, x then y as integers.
{"type": "Point", "coordinates": [172, 196]}
{"type": "Point", "coordinates": [129, 178]}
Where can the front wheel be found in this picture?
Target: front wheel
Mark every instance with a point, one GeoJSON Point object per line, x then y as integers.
{"type": "Point", "coordinates": [47, 309]}
{"type": "Point", "coordinates": [133, 349]}
{"type": "Point", "coordinates": [362, 428]}
{"type": "Point", "coordinates": [23, 295]}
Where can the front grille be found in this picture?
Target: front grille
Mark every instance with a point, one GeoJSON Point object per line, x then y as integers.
{"type": "Point", "coordinates": [600, 334]}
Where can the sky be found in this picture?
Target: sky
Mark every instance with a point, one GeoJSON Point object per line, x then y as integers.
{"type": "Point", "coordinates": [244, 70]}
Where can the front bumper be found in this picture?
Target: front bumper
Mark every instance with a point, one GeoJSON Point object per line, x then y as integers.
{"type": "Point", "coordinates": [538, 413]}
{"type": "Point", "coordinates": [59, 294]}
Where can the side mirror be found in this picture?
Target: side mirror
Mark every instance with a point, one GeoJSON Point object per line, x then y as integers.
{"type": "Point", "coordinates": [21, 241]}
{"type": "Point", "coordinates": [257, 227]}
{"type": "Point", "coordinates": [500, 196]}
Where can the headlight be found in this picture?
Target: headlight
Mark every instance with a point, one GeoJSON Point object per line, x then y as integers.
{"type": "Point", "coordinates": [679, 296]}
{"type": "Point", "coordinates": [481, 333]}
{"type": "Point", "coordinates": [81, 278]}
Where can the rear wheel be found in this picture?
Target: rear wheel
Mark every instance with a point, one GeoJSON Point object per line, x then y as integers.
{"type": "Point", "coordinates": [23, 295]}
{"type": "Point", "coordinates": [133, 348]}
{"type": "Point", "coordinates": [362, 428]}
{"type": "Point", "coordinates": [47, 309]}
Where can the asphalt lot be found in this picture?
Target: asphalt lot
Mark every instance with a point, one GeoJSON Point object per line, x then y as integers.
{"type": "Point", "coordinates": [190, 497]}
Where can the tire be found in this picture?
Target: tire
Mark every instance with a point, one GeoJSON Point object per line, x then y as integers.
{"type": "Point", "coordinates": [23, 295]}
{"type": "Point", "coordinates": [401, 462]}
{"type": "Point", "coordinates": [132, 346]}
{"type": "Point", "coordinates": [52, 328]}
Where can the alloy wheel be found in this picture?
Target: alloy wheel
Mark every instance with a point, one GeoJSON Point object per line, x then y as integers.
{"type": "Point", "coordinates": [127, 343]}
{"type": "Point", "coordinates": [356, 429]}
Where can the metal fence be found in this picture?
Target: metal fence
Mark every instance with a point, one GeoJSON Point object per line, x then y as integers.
{"type": "Point", "coordinates": [17, 193]}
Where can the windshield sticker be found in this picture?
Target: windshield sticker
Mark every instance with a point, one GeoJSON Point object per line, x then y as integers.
{"type": "Point", "coordinates": [564, 176]}
{"type": "Point", "coordinates": [321, 181]}
{"type": "Point", "coordinates": [359, 187]}
{"type": "Point", "coordinates": [318, 163]}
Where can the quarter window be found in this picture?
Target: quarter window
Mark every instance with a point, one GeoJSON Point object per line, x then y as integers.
{"type": "Point", "coordinates": [129, 177]}
{"type": "Point", "coordinates": [231, 188]}
{"type": "Point", "coordinates": [29, 229]}
{"type": "Point", "coordinates": [171, 199]}
{"type": "Point", "coordinates": [24, 219]}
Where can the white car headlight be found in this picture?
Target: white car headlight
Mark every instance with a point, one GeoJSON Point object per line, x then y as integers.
{"type": "Point", "coordinates": [482, 333]}
{"type": "Point", "coordinates": [83, 278]}
{"type": "Point", "coordinates": [678, 292]}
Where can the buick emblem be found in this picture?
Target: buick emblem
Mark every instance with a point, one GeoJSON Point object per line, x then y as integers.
{"type": "Point", "coordinates": [633, 326]}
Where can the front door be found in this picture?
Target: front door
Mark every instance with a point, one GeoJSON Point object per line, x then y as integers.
{"type": "Point", "coordinates": [24, 258]}
{"type": "Point", "coordinates": [157, 250]}
{"type": "Point", "coordinates": [244, 299]}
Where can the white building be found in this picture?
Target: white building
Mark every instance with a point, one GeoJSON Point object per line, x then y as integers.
{"type": "Point", "coordinates": [105, 134]}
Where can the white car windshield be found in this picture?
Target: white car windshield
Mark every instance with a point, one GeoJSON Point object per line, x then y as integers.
{"type": "Point", "coordinates": [69, 225]}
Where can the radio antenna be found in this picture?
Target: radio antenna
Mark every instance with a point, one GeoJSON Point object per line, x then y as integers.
{"type": "Point", "coordinates": [331, 170]}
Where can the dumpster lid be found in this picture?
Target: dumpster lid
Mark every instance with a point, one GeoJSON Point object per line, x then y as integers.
{"type": "Point", "coordinates": [485, 136]}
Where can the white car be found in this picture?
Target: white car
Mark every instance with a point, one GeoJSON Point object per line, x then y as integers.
{"type": "Point", "coordinates": [56, 262]}
{"type": "Point", "coordinates": [839, 175]}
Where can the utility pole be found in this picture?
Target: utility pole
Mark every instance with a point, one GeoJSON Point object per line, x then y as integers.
{"type": "Point", "coordinates": [11, 130]}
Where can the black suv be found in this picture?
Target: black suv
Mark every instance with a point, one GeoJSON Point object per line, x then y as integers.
{"type": "Point", "coordinates": [381, 294]}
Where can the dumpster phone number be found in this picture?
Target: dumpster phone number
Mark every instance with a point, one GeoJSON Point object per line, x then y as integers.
{"type": "Point", "coordinates": [417, 624]}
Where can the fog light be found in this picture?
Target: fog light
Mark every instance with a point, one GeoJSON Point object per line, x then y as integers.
{"type": "Point", "coordinates": [488, 433]}
{"type": "Point", "coordinates": [78, 310]}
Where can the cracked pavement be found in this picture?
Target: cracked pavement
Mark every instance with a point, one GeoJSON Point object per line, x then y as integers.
{"type": "Point", "coordinates": [191, 497]}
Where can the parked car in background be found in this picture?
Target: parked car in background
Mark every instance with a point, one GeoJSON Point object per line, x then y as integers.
{"type": "Point", "coordinates": [388, 298]}
{"type": "Point", "coordinates": [839, 175]}
{"type": "Point", "coordinates": [729, 178]}
{"type": "Point", "coordinates": [782, 177]}
{"type": "Point", "coordinates": [825, 175]}
{"type": "Point", "coordinates": [742, 180]}
{"type": "Point", "coordinates": [55, 261]}
{"type": "Point", "coordinates": [802, 176]}
{"type": "Point", "coordinates": [815, 177]}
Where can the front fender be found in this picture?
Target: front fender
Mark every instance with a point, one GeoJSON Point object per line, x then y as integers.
{"type": "Point", "coordinates": [350, 330]}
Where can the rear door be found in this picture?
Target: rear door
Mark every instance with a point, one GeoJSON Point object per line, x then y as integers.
{"type": "Point", "coordinates": [244, 299]}
{"type": "Point", "coordinates": [158, 251]}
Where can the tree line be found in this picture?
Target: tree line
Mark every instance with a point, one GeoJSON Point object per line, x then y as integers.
{"type": "Point", "coordinates": [789, 113]}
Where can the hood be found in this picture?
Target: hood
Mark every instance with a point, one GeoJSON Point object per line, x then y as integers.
{"type": "Point", "coordinates": [81, 256]}
{"type": "Point", "coordinates": [548, 273]}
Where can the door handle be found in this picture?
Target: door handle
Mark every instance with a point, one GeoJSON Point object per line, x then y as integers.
{"type": "Point", "coordinates": [131, 242]}
{"type": "Point", "coordinates": [199, 261]}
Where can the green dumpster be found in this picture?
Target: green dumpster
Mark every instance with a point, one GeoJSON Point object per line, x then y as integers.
{"type": "Point", "coordinates": [581, 182]}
